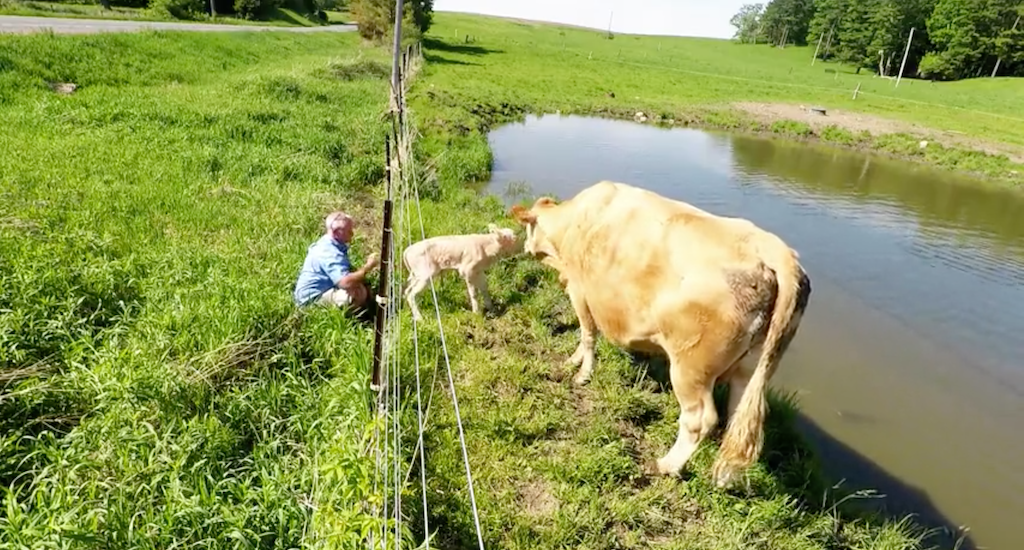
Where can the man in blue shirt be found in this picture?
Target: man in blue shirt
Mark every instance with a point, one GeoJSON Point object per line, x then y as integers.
{"type": "Point", "coordinates": [327, 276]}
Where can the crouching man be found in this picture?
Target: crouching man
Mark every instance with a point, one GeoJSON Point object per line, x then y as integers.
{"type": "Point", "coordinates": [327, 276]}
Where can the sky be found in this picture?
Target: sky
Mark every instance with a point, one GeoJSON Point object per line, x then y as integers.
{"type": "Point", "coordinates": [671, 17]}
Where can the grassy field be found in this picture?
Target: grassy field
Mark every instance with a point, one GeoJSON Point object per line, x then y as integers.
{"type": "Point", "coordinates": [158, 389]}
{"type": "Point", "coordinates": [279, 16]}
{"type": "Point", "coordinates": [508, 67]}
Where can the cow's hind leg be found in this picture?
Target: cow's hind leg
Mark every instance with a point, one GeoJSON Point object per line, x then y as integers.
{"type": "Point", "coordinates": [584, 354]}
{"type": "Point", "coordinates": [697, 414]}
{"type": "Point", "coordinates": [738, 377]}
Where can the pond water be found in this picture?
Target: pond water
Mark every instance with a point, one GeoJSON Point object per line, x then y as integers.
{"type": "Point", "coordinates": [907, 365]}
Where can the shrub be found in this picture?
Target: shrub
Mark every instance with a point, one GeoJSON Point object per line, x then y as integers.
{"type": "Point", "coordinates": [179, 9]}
{"type": "Point", "coordinates": [376, 18]}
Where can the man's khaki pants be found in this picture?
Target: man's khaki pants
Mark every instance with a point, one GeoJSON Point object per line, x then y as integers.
{"type": "Point", "coordinates": [335, 297]}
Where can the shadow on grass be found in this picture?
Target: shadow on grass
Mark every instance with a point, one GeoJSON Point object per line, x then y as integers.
{"type": "Point", "coordinates": [462, 49]}
{"type": "Point", "coordinates": [438, 60]}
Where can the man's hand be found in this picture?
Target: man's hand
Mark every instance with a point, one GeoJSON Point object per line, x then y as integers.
{"type": "Point", "coordinates": [372, 261]}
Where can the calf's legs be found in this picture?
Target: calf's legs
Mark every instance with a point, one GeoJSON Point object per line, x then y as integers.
{"type": "Point", "coordinates": [476, 283]}
{"type": "Point", "coordinates": [414, 286]}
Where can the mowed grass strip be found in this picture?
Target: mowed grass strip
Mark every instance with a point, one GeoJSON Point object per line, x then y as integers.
{"type": "Point", "coordinates": [157, 387]}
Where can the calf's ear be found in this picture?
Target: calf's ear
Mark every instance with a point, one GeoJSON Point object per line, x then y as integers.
{"type": "Point", "coordinates": [522, 215]}
{"type": "Point", "coordinates": [492, 228]}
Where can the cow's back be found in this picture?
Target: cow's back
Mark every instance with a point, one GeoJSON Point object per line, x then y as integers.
{"type": "Point", "coordinates": [638, 257]}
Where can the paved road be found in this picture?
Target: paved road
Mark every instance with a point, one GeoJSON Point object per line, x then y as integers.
{"type": "Point", "coordinates": [19, 24]}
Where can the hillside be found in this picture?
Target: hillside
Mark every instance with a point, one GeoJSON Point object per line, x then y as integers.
{"type": "Point", "coordinates": [513, 66]}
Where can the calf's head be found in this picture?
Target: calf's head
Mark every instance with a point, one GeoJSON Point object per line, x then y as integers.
{"type": "Point", "coordinates": [507, 241]}
{"type": "Point", "coordinates": [537, 242]}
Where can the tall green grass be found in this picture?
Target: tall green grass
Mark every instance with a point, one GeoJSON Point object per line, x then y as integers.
{"type": "Point", "coordinates": [157, 387]}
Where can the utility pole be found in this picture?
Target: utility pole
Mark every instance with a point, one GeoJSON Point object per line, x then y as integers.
{"type": "Point", "coordinates": [610, 15]}
{"type": "Point", "coordinates": [828, 43]}
{"type": "Point", "coordinates": [813, 59]}
{"type": "Point", "coordinates": [905, 52]}
{"type": "Point", "coordinates": [1000, 59]}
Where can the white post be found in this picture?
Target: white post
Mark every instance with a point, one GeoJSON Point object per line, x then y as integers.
{"type": "Point", "coordinates": [1000, 59]}
{"type": "Point", "coordinates": [905, 52]}
{"type": "Point", "coordinates": [396, 52]}
{"type": "Point", "coordinates": [815, 58]}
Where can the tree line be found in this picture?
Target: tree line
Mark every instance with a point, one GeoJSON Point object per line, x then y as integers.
{"type": "Point", "coordinates": [952, 39]}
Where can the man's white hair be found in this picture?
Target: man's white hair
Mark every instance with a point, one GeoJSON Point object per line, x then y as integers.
{"type": "Point", "coordinates": [336, 219]}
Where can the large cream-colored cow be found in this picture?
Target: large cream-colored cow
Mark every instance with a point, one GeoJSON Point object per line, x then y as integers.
{"type": "Point", "coordinates": [720, 297]}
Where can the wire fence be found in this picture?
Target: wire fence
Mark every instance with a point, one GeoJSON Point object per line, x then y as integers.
{"type": "Point", "coordinates": [392, 401]}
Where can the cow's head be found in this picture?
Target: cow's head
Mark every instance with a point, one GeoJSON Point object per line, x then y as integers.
{"type": "Point", "coordinates": [507, 240]}
{"type": "Point", "coordinates": [537, 242]}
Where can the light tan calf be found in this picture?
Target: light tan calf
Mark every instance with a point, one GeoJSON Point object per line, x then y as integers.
{"type": "Point", "coordinates": [718, 296]}
{"type": "Point", "coordinates": [469, 255]}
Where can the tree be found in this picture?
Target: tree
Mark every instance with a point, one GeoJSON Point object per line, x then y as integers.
{"type": "Point", "coordinates": [786, 21]}
{"type": "Point", "coordinates": [856, 33]}
{"type": "Point", "coordinates": [1009, 43]}
{"type": "Point", "coordinates": [747, 21]}
{"type": "Point", "coordinates": [957, 29]}
{"type": "Point", "coordinates": [889, 37]}
{"type": "Point", "coordinates": [827, 15]}
{"type": "Point", "coordinates": [376, 18]}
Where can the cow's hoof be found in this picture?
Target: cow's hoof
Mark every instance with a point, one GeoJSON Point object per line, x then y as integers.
{"type": "Point", "coordinates": [580, 380]}
{"type": "Point", "coordinates": [667, 469]}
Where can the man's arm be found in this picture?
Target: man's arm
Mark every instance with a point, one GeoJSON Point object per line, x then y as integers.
{"type": "Point", "coordinates": [357, 277]}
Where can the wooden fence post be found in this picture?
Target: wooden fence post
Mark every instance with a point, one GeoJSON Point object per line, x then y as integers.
{"type": "Point", "coordinates": [382, 283]}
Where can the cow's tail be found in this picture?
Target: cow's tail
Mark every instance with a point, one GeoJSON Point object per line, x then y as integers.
{"type": "Point", "coordinates": [744, 436]}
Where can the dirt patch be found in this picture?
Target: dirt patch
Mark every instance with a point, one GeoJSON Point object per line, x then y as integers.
{"type": "Point", "coordinates": [876, 125]}
{"type": "Point", "coordinates": [537, 499]}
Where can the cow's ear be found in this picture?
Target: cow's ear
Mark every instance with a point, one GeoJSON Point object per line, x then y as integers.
{"type": "Point", "coordinates": [522, 215]}
{"type": "Point", "coordinates": [544, 202]}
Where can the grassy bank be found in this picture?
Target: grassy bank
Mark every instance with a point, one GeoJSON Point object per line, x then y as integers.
{"type": "Point", "coordinates": [508, 67]}
{"type": "Point", "coordinates": [557, 466]}
{"type": "Point", "coordinates": [157, 388]}
{"type": "Point", "coordinates": [283, 17]}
